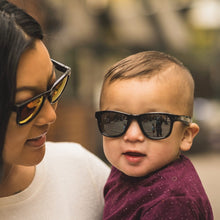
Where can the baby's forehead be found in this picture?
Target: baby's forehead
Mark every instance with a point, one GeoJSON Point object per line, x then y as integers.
{"type": "Point", "coordinates": [169, 82]}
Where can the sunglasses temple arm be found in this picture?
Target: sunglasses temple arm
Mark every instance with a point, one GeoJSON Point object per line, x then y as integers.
{"type": "Point", "coordinates": [185, 120]}
{"type": "Point", "coordinates": [61, 67]}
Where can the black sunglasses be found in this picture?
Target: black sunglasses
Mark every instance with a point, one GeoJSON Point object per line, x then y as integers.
{"type": "Point", "coordinates": [155, 125]}
{"type": "Point", "coordinates": [28, 110]}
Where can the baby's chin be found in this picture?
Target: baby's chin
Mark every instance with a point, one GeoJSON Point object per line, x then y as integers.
{"type": "Point", "coordinates": [136, 172]}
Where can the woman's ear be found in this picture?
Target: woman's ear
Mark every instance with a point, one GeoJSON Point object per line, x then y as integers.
{"type": "Point", "coordinates": [189, 133]}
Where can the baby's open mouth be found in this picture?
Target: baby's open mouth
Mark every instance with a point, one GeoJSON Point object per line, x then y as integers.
{"type": "Point", "coordinates": [134, 154]}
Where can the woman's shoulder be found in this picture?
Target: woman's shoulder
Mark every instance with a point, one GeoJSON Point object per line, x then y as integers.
{"type": "Point", "coordinates": [72, 153]}
{"type": "Point", "coordinates": [72, 158]}
{"type": "Point", "coordinates": [54, 149]}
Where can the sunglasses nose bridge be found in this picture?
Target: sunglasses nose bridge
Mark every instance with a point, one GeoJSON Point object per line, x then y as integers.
{"type": "Point", "coordinates": [135, 118]}
{"type": "Point", "coordinates": [132, 118]}
{"type": "Point", "coordinates": [138, 119]}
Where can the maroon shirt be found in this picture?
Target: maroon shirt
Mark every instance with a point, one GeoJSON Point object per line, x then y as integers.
{"type": "Point", "coordinates": [174, 192]}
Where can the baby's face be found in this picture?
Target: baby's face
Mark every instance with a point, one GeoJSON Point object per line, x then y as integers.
{"type": "Point", "coordinates": [133, 153]}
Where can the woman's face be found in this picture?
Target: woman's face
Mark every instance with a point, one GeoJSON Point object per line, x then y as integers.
{"type": "Point", "coordinates": [25, 145]}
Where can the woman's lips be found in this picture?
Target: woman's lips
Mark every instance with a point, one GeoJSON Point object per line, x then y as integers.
{"type": "Point", "coordinates": [38, 141]}
{"type": "Point", "coordinates": [134, 157]}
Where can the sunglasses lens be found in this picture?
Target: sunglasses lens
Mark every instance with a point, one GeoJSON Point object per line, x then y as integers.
{"type": "Point", "coordinates": [112, 124]}
{"type": "Point", "coordinates": [29, 110]}
{"type": "Point", "coordinates": [156, 126]}
{"type": "Point", "coordinates": [58, 89]}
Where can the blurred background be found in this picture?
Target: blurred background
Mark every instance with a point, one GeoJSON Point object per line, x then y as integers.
{"type": "Point", "coordinates": [91, 35]}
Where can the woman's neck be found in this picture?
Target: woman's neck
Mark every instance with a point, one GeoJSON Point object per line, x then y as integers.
{"type": "Point", "coordinates": [16, 179]}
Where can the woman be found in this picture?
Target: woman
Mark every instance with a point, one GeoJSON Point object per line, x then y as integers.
{"type": "Point", "coordinates": [39, 179]}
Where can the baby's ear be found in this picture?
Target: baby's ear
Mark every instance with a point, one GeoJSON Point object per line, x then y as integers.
{"type": "Point", "coordinates": [189, 133]}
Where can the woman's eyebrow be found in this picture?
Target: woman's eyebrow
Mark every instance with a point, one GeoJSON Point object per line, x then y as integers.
{"type": "Point", "coordinates": [29, 88]}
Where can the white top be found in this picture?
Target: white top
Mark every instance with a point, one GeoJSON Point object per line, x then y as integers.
{"type": "Point", "coordinates": [68, 184]}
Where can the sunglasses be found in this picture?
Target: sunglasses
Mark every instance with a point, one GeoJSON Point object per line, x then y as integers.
{"type": "Point", "coordinates": [155, 126]}
{"type": "Point", "coordinates": [29, 109]}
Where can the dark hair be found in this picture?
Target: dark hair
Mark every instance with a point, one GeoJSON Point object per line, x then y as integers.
{"type": "Point", "coordinates": [18, 32]}
{"type": "Point", "coordinates": [141, 64]}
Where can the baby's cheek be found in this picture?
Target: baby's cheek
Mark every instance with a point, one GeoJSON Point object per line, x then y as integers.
{"type": "Point", "coordinates": [111, 149]}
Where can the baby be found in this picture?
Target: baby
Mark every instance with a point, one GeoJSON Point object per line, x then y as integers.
{"type": "Point", "coordinates": [146, 109]}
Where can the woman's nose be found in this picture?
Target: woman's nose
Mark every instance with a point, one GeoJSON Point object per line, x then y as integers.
{"type": "Point", "coordinates": [47, 114]}
{"type": "Point", "coordinates": [134, 132]}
